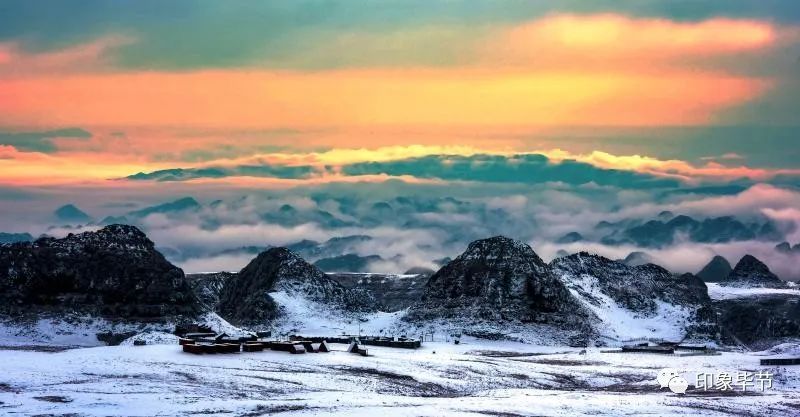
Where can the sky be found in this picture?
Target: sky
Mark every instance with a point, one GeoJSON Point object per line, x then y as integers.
{"type": "Point", "coordinates": [131, 103]}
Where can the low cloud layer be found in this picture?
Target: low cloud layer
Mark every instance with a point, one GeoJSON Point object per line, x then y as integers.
{"type": "Point", "coordinates": [417, 225]}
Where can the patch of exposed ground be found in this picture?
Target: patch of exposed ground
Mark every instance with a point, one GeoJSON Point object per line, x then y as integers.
{"type": "Point", "coordinates": [510, 354]}
{"type": "Point", "coordinates": [394, 383]}
{"type": "Point", "coordinates": [53, 399]}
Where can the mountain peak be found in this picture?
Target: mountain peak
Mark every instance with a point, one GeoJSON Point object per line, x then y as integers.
{"type": "Point", "coordinates": [499, 247]}
{"type": "Point", "coordinates": [637, 258]}
{"type": "Point", "coordinates": [750, 271]}
{"type": "Point", "coordinates": [181, 204]}
{"type": "Point", "coordinates": [717, 269]}
{"type": "Point", "coordinates": [245, 298]}
{"type": "Point", "coordinates": [72, 214]}
{"type": "Point", "coordinates": [115, 270]}
{"type": "Point", "coordinates": [495, 278]}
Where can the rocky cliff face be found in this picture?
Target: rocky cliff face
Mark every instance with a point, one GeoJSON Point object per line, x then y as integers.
{"type": "Point", "coordinates": [637, 288]}
{"type": "Point", "coordinates": [759, 321]}
{"type": "Point", "coordinates": [716, 270]}
{"type": "Point", "coordinates": [245, 297]}
{"type": "Point", "coordinates": [390, 292]}
{"type": "Point", "coordinates": [637, 301]}
{"type": "Point", "coordinates": [208, 287]}
{"type": "Point", "coordinates": [114, 271]}
{"type": "Point", "coordinates": [496, 279]}
{"type": "Point", "coordinates": [750, 272]}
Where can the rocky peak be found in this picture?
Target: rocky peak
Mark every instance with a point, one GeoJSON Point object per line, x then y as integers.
{"type": "Point", "coordinates": [750, 272]}
{"type": "Point", "coordinates": [114, 271]}
{"type": "Point", "coordinates": [495, 278]}
{"type": "Point", "coordinates": [499, 251]}
{"type": "Point", "coordinates": [115, 237]}
{"type": "Point", "coordinates": [245, 297]}
{"type": "Point", "coordinates": [716, 270]}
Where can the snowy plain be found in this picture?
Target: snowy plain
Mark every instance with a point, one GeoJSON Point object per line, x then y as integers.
{"type": "Point", "coordinates": [719, 292]}
{"type": "Point", "coordinates": [66, 372]}
{"type": "Point", "coordinates": [474, 378]}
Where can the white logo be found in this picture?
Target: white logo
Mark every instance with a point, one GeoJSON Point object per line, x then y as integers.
{"type": "Point", "coordinates": [665, 375]}
{"type": "Point", "coordinates": [678, 384]}
{"type": "Point", "coordinates": [719, 381]}
{"type": "Point", "coordinates": [670, 378]}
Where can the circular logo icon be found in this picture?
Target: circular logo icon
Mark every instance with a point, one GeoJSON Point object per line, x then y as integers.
{"type": "Point", "coordinates": [665, 375]}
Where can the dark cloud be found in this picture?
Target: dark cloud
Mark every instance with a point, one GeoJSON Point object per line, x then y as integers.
{"type": "Point", "coordinates": [201, 34]}
{"type": "Point", "coordinates": [523, 169]}
{"type": "Point", "coordinates": [41, 141]}
{"type": "Point", "coordinates": [528, 169]}
{"type": "Point", "coordinates": [266, 171]}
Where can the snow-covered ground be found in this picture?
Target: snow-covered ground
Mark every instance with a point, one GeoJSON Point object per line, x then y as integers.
{"type": "Point", "coordinates": [67, 331]}
{"type": "Point", "coordinates": [618, 323]}
{"type": "Point", "coordinates": [303, 316]}
{"type": "Point", "coordinates": [719, 292]}
{"type": "Point", "coordinates": [475, 378]}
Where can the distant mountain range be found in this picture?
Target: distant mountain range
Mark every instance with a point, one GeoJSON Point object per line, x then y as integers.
{"type": "Point", "coordinates": [661, 233]}
{"type": "Point", "coordinates": [749, 272]}
{"type": "Point", "coordinates": [354, 221]}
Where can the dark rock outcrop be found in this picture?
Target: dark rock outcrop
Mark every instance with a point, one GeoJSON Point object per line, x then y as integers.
{"type": "Point", "coordinates": [716, 270]}
{"type": "Point", "coordinates": [208, 287]}
{"type": "Point", "coordinates": [390, 292]}
{"type": "Point", "coordinates": [245, 298]}
{"type": "Point", "coordinates": [114, 271]}
{"type": "Point", "coordinates": [759, 321]}
{"type": "Point", "coordinates": [495, 279]}
{"type": "Point", "coordinates": [750, 272]}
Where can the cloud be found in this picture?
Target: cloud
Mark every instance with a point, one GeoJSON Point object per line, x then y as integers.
{"type": "Point", "coordinates": [41, 141]}
{"type": "Point", "coordinates": [729, 156]}
{"type": "Point", "coordinates": [22, 169]}
{"type": "Point", "coordinates": [495, 83]}
{"type": "Point", "coordinates": [607, 40]}
{"type": "Point", "coordinates": [93, 56]}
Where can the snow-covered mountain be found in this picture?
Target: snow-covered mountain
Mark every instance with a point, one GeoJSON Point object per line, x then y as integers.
{"type": "Point", "coordinates": [498, 287]}
{"type": "Point", "coordinates": [644, 301]}
{"type": "Point", "coordinates": [246, 297]}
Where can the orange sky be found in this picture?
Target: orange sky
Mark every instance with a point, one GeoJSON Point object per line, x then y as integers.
{"type": "Point", "coordinates": [557, 70]}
